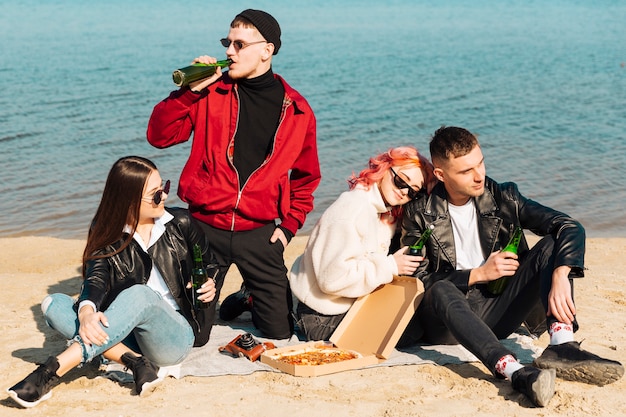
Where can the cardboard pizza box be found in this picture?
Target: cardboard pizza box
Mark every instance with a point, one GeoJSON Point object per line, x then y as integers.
{"type": "Point", "coordinates": [371, 328]}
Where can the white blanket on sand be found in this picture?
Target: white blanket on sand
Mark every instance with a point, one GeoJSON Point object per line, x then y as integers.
{"type": "Point", "coordinates": [209, 361]}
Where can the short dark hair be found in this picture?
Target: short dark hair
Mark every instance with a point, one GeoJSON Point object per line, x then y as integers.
{"type": "Point", "coordinates": [451, 141]}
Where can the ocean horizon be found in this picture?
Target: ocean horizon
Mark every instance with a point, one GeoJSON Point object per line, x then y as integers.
{"type": "Point", "coordinates": [543, 85]}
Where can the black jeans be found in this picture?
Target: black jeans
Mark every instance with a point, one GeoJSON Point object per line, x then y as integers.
{"type": "Point", "coordinates": [314, 325]}
{"type": "Point", "coordinates": [478, 319]}
{"type": "Point", "coordinates": [264, 274]}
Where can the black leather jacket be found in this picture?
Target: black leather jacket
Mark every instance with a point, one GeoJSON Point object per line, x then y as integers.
{"type": "Point", "coordinates": [172, 254]}
{"type": "Point", "coordinates": [500, 209]}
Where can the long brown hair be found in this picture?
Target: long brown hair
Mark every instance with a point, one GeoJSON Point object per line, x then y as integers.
{"type": "Point", "coordinates": [119, 206]}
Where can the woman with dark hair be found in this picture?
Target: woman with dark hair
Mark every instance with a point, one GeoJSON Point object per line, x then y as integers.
{"type": "Point", "coordinates": [347, 255]}
{"type": "Point", "coordinates": [135, 305]}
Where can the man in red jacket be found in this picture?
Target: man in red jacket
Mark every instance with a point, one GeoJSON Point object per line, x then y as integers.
{"type": "Point", "coordinates": [253, 165]}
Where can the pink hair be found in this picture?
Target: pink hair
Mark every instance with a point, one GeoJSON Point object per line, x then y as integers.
{"type": "Point", "coordinates": [403, 156]}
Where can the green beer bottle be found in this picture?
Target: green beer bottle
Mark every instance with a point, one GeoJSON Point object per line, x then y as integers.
{"type": "Point", "coordinates": [497, 286]}
{"type": "Point", "coordinates": [197, 71]}
{"type": "Point", "coordinates": [416, 249]}
{"type": "Point", "coordinates": [198, 277]}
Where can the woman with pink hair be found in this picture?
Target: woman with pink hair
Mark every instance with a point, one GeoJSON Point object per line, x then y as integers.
{"type": "Point", "coordinates": [347, 255]}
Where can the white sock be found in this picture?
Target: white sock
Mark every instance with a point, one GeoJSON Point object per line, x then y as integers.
{"type": "Point", "coordinates": [507, 366]}
{"type": "Point", "coordinates": [561, 333]}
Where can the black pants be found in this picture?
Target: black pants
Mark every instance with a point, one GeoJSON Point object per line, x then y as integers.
{"type": "Point", "coordinates": [478, 319]}
{"type": "Point", "coordinates": [264, 274]}
{"type": "Point", "coordinates": [314, 325]}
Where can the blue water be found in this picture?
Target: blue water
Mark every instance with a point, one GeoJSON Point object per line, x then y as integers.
{"type": "Point", "coordinates": [543, 84]}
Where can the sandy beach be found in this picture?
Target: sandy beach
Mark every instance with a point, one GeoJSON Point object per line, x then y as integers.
{"type": "Point", "coordinates": [32, 267]}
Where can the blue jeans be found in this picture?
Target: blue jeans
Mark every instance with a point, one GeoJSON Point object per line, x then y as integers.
{"type": "Point", "coordinates": [138, 317]}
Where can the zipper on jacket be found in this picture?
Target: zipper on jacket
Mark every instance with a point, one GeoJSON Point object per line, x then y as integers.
{"type": "Point", "coordinates": [232, 163]}
{"type": "Point", "coordinates": [265, 161]}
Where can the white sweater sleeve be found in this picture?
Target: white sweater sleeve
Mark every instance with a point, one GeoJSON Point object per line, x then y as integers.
{"type": "Point", "coordinates": [349, 253]}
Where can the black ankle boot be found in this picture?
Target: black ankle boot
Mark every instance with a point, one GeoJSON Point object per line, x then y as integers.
{"type": "Point", "coordinates": [145, 373]}
{"type": "Point", "coordinates": [235, 304]}
{"type": "Point", "coordinates": [536, 384]}
{"type": "Point", "coordinates": [36, 387]}
{"type": "Point", "coordinates": [575, 364]}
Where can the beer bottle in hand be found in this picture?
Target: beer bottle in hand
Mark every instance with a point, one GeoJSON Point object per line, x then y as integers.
{"type": "Point", "coordinates": [198, 277]}
{"type": "Point", "coordinates": [198, 71]}
{"type": "Point", "coordinates": [496, 287]}
{"type": "Point", "coordinates": [416, 249]}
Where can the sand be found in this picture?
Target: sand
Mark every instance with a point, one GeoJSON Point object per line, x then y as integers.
{"type": "Point", "coordinates": [32, 267]}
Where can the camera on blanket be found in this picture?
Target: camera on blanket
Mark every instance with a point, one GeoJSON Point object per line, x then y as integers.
{"type": "Point", "coordinates": [245, 345]}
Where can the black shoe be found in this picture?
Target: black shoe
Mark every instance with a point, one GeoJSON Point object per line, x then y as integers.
{"type": "Point", "coordinates": [235, 304]}
{"type": "Point", "coordinates": [145, 373]}
{"type": "Point", "coordinates": [36, 387]}
{"type": "Point", "coordinates": [574, 364]}
{"type": "Point", "coordinates": [536, 384]}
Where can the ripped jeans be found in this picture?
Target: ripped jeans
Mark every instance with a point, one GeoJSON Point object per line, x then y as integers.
{"type": "Point", "coordinates": [138, 317]}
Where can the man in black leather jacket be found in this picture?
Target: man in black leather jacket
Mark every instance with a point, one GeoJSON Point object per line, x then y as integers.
{"type": "Point", "coordinates": [473, 219]}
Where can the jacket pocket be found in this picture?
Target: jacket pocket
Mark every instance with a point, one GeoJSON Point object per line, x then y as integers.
{"type": "Point", "coordinates": [196, 189]}
{"type": "Point", "coordinates": [284, 197]}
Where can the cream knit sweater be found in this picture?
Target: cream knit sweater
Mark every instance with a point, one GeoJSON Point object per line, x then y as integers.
{"type": "Point", "coordinates": [346, 255]}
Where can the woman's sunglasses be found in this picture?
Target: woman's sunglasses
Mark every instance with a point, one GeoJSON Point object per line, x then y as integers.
{"type": "Point", "coordinates": [158, 196]}
{"type": "Point", "coordinates": [400, 184]}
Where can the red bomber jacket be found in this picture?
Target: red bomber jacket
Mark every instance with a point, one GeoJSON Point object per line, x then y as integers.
{"type": "Point", "coordinates": [281, 188]}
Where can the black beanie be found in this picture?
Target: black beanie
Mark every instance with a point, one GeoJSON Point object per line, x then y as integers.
{"type": "Point", "coordinates": [265, 24]}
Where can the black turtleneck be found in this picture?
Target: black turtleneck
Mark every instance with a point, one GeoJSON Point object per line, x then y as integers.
{"type": "Point", "coordinates": [260, 103]}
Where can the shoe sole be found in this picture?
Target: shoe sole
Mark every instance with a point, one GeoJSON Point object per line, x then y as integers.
{"type": "Point", "coordinates": [589, 372]}
{"type": "Point", "coordinates": [28, 404]}
{"type": "Point", "coordinates": [543, 387]}
{"type": "Point", "coordinates": [149, 387]}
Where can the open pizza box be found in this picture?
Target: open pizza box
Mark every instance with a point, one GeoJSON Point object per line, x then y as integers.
{"type": "Point", "coordinates": [370, 329]}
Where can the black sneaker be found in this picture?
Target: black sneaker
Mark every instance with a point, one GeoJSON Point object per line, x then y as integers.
{"type": "Point", "coordinates": [574, 364]}
{"type": "Point", "coordinates": [36, 387]}
{"type": "Point", "coordinates": [536, 384]}
{"type": "Point", "coordinates": [145, 373]}
{"type": "Point", "coordinates": [235, 304]}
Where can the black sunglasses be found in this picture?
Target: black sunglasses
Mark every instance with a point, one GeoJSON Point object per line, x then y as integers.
{"type": "Point", "coordinates": [158, 196]}
{"type": "Point", "coordinates": [400, 184]}
{"type": "Point", "coordinates": [237, 44]}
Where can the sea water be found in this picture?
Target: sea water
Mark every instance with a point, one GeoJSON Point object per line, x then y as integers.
{"type": "Point", "coordinates": [543, 85]}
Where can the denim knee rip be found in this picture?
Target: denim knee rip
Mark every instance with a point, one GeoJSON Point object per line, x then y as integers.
{"type": "Point", "coordinates": [89, 351]}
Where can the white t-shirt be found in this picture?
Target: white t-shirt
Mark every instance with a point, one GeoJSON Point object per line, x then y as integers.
{"type": "Point", "coordinates": [469, 254]}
